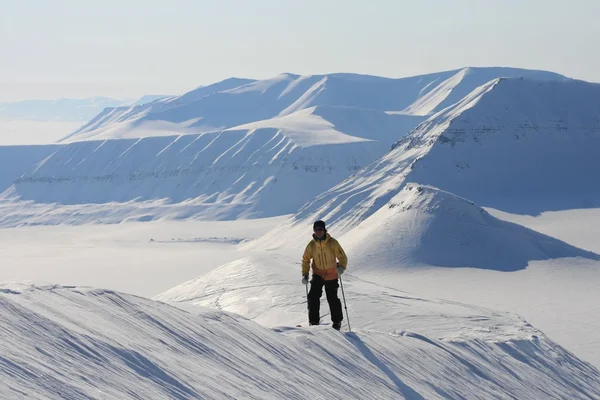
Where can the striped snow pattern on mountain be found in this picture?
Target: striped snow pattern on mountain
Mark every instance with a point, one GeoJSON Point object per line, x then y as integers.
{"type": "Point", "coordinates": [255, 172]}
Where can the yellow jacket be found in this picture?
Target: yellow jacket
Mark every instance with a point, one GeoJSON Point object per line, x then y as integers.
{"type": "Point", "coordinates": [323, 254]}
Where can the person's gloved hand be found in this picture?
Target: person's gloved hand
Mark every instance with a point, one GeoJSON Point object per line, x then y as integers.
{"type": "Point", "coordinates": [305, 279]}
{"type": "Point", "coordinates": [340, 270]}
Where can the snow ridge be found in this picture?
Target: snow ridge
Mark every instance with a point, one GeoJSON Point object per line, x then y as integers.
{"type": "Point", "coordinates": [74, 342]}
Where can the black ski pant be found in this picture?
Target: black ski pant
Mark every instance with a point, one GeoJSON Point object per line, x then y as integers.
{"type": "Point", "coordinates": [314, 299]}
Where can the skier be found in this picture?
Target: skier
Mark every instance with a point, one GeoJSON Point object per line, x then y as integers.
{"type": "Point", "coordinates": [328, 262]}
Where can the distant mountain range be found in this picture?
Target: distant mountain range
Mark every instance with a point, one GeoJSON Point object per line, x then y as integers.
{"type": "Point", "coordinates": [519, 145]}
{"type": "Point", "coordinates": [236, 101]}
{"type": "Point", "coordinates": [81, 110]}
{"type": "Point", "coordinates": [339, 146]}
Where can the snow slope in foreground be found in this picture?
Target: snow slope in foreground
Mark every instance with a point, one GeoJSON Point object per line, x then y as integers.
{"type": "Point", "coordinates": [267, 289]}
{"type": "Point", "coordinates": [491, 343]}
{"type": "Point", "coordinates": [73, 342]}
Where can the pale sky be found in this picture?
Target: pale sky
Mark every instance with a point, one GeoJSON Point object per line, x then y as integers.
{"type": "Point", "coordinates": [127, 48]}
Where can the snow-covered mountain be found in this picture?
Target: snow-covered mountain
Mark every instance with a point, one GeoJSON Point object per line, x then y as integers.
{"type": "Point", "coordinates": [16, 159]}
{"type": "Point", "coordinates": [135, 120]}
{"type": "Point", "coordinates": [425, 226]}
{"type": "Point", "coordinates": [80, 110]}
{"type": "Point", "coordinates": [75, 342]}
{"type": "Point", "coordinates": [245, 172]}
{"type": "Point", "coordinates": [237, 101]}
{"type": "Point", "coordinates": [518, 145]}
{"type": "Point", "coordinates": [284, 141]}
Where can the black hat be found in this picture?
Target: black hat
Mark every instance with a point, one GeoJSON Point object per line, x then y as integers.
{"type": "Point", "coordinates": [319, 224]}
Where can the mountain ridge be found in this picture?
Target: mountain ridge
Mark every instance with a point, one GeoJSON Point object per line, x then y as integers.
{"type": "Point", "coordinates": [236, 102]}
{"type": "Point", "coordinates": [459, 148]}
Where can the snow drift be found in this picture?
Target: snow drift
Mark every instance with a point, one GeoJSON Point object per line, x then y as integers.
{"type": "Point", "coordinates": [267, 290]}
{"type": "Point", "coordinates": [74, 342]}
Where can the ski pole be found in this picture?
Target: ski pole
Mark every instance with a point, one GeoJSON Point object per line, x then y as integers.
{"type": "Point", "coordinates": [344, 297]}
{"type": "Point", "coordinates": [307, 305]}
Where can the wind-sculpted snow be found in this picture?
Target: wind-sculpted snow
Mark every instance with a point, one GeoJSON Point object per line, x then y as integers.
{"type": "Point", "coordinates": [74, 342]}
{"type": "Point", "coordinates": [267, 289]}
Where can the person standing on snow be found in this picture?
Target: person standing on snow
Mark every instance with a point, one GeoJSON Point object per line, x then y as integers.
{"type": "Point", "coordinates": [328, 262]}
